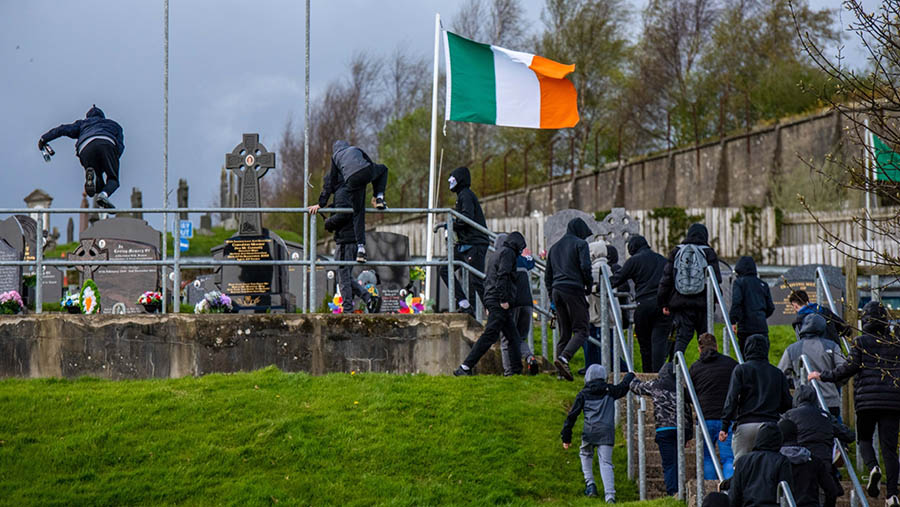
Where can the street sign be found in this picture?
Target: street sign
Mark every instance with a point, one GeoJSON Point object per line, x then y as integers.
{"type": "Point", "coordinates": [187, 229]}
{"type": "Point", "coordinates": [184, 245]}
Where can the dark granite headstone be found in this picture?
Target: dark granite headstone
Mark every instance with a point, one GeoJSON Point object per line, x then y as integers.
{"type": "Point", "coordinates": [556, 224]}
{"type": "Point", "coordinates": [804, 278]}
{"type": "Point", "coordinates": [295, 273]}
{"type": "Point", "coordinates": [10, 276]}
{"type": "Point", "coordinates": [250, 161]}
{"type": "Point", "coordinates": [200, 287]}
{"type": "Point", "coordinates": [390, 300]}
{"type": "Point", "coordinates": [205, 223]}
{"type": "Point", "coordinates": [52, 285]}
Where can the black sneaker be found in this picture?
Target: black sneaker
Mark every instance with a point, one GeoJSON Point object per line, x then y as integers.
{"type": "Point", "coordinates": [534, 367]}
{"type": "Point", "coordinates": [563, 369]}
{"type": "Point", "coordinates": [582, 371]}
{"type": "Point", "coordinates": [591, 490]}
{"type": "Point", "coordinates": [374, 304]}
{"type": "Point", "coordinates": [90, 182]}
{"type": "Point", "coordinates": [379, 203]}
{"type": "Point", "coordinates": [103, 202]}
{"type": "Point", "coordinates": [462, 372]}
{"type": "Point", "coordinates": [361, 255]}
{"type": "Point", "coordinates": [874, 479]}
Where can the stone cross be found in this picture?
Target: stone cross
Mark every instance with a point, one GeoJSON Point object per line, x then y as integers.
{"type": "Point", "coordinates": [89, 250]}
{"type": "Point", "coordinates": [250, 161]}
{"type": "Point", "coordinates": [616, 228]}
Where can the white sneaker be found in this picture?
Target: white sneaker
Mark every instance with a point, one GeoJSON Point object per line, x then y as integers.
{"type": "Point", "coordinates": [892, 502]}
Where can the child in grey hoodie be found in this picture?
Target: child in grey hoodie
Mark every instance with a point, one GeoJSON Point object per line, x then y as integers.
{"type": "Point", "coordinates": [597, 401]}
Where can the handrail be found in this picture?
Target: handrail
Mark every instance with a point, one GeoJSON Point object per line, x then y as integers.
{"type": "Point", "coordinates": [681, 363]}
{"type": "Point", "coordinates": [729, 332]}
{"type": "Point", "coordinates": [785, 497]}
{"type": "Point", "coordinates": [617, 313]}
{"type": "Point", "coordinates": [822, 284]}
{"type": "Point", "coordinates": [853, 478]}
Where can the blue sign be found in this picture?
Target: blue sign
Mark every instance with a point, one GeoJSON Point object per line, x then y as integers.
{"type": "Point", "coordinates": [187, 229]}
{"type": "Point", "coordinates": [184, 245]}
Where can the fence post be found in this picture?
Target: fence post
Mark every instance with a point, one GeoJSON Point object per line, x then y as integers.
{"type": "Point", "coordinates": [176, 268]}
{"type": "Point", "coordinates": [313, 302]}
{"type": "Point", "coordinates": [679, 412]}
{"type": "Point", "coordinates": [451, 269]}
{"type": "Point", "coordinates": [39, 265]}
{"type": "Point", "coordinates": [617, 375]}
{"type": "Point", "coordinates": [711, 315]}
{"type": "Point", "coordinates": [629, 406]}
{"type": "Point", "coordinates": [642, 459]}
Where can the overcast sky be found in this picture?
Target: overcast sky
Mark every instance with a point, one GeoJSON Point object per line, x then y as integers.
{"type": "Point", "coordinates": [234, 66]}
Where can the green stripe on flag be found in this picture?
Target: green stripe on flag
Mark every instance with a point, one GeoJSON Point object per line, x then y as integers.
{"type": "Point", "coordinates": [473, 93]}
{"type": "Point", "coordinates": [887, 161]}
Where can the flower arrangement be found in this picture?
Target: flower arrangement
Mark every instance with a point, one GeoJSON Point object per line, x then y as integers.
{"type": "Point", "coordinates": [416, 273]}
{"type": "Point", "coordinates": [412, 304]}
{"type": "Point", "coordinates": [336, 304]}
{"type": "Point", "coordinates": [90, 298]}
{"type": "Point", "coordinates": [151, 300]}
{"type": "Point", "coordinates": [71, 303]}
{"type": "Point", "coordinates": [214, 302]}
{"type": "Point", "coordinates": [11, 303]}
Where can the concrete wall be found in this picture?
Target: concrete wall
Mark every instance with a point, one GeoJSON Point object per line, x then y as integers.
{"type": "Point", "coordinates": [740, 170]}
{"type": "Point", "coordinates": [128, 347]}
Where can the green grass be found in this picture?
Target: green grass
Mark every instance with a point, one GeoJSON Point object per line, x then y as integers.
{"type": "Point", "coordinates": [257, 438]}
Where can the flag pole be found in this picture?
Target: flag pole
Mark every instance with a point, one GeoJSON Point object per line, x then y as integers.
{"type": "Point", "coordinates": [429, 234]}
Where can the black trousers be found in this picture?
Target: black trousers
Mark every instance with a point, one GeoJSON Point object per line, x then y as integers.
{"type": "Point", "coordinates": [499, 321]}
{"type": "Point", "coordinates": [686, 321]}
{"type": "Point", "coordinates": [350, 287]}
{"type": "Point", "coordinates": [888, 422]}
{"type": "Point", "coordinates": [473, 256]}
{"type": "Point", "coordinates": [651, 328]}
{"type": "Point", "coordinates": [574, 321]}
{"type": "Point", "coordinates": [356, 185]}
{"type": "Point", "coordinates": [742, 338]}
{"type": "Point", "coordinates": [103, 157]}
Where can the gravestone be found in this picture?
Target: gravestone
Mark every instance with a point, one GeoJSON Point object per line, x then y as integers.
{"type": "Point", "coordinates": [804, 278]}
{"type": "Point", "coordinates": [10, 276]}
{"type": "Point", "coordinates": [616, 228]}
{"type": "Point", "coordinates": [120, 238]}
{"type": "Point", "coordinates": [70, 231]}
{"type": "Point", "coordinates": [52, 284]}
{"type": "Point", "coordinates": [199, 288]}
{"type": "Point", "coordinates": [205, 224]}
{"type": "Point", "coordinates": [253, 288]}
{"type": "Point", "coordinates": [295, 273]}
{"type": "Point", "coordinates": [182, 197]}
{"type": "Point", "coordinates": [556, 224]}
{"type": "Point", "coordinates": [137, 201]}
{"type": "Point", "coordinates": [387, 246]}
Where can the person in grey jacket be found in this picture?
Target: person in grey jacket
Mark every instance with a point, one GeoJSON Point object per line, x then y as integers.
{"type": "Point", "coordinates": [823, 355]}
{"type": "Point", "coordinates": [597, 400]}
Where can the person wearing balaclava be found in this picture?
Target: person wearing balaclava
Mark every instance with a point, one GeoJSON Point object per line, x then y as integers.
{"type": "Point", "coordinates": [352, 170]}
{"type": "Point", "coordinates": [682, 288]}
{"type": "Point", "coordinates": [471, 244]}
{"type": "Point", "coordinates": [874, 364]}
{"type": "Point", "coordinates": [597, 400]}
{"type": "Point", "coordinates": [100, 143]}
{"type": "Point", "coordinates": [499, 301]}
{"type": "Point", "coordinates": [757, 473]}
{"type": "Point", "coordinates": [751, 302]}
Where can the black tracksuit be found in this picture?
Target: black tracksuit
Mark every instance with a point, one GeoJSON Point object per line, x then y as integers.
{"type": "Point", "coordinates": [757, 473]}
{"type": "Point", "coordinates": [568, 279]}
{"type": "Point", "coordinates": [500, 287]}
{"type": "Point", "coordinates": [688, 310]}
{"type": "Point", "coordinates": [751, 302]}
{"type": "Point", "coordinates": [471, 244]}
{"type": "Point", "coordinates": [105, 144]}
{"type": "Point", "coordinates": [708, 375]}
{"type": "Point", "coordinates": [809, 471]}
{"type": "Point", "coordinates": [874, 363]}
{"type": "Point", "coordinates": [758, 392]}
{"type": "Point", "coordinates": [644, 267]}
{"type": "Point", "coordinates": [341, 224]}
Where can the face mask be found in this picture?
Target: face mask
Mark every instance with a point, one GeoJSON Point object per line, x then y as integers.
{"type": "Point", "coordinates": [452, 182]}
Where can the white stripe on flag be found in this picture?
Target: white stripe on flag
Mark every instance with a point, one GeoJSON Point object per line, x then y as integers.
{"type": "Point", "coordinates": [518, 89]}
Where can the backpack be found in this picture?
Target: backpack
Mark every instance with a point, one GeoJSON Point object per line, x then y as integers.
{"type": "Point", "coordinates": [690, 269]}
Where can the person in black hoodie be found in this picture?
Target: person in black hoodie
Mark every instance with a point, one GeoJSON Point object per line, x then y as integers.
{"type": "Point", "coordinates": [757, 394]}
{"type": "Point", "coordinates": [875, 363]}
{"type": "Point", "coordinates": [707, 375]}
{"type": "Point", "coordinates": [499, 298]}
{"type": "Point", "coordinates": [688, 311]}
{"type": "Point", "coordinates": [644, 267]}
{"type": "Point", "coordinates": [522, 309]}
{"type": "Point", "coordinates": [100, 143]}
{"type": "Point", "coordinates": [341, 224]}
{"type": "Point", "coordinates": [751, 302]}
{"type": "Point", "coordinates": [758, 472]}
{"type": "Point", "coordinates": [471, 244]}
{"type": "Point", "coordinates": [808, 471]}
{"type": "Point", "coordinates": [568, 279]}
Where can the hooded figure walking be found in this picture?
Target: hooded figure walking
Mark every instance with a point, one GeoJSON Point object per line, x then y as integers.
{"type": "Point", "coordinates": [499, 300]}
{"type": "Point", "coordinates": [100, 143]}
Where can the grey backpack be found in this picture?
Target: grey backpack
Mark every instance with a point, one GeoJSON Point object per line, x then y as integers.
{"type": "Point", "coordinates": [690, 269]}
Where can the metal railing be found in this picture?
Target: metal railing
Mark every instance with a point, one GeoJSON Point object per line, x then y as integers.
{"type": "Point", "coordinates": [713, 289]}
{"type": "Point", "coordinates": [785, 497]}
{"type": "Point", "coordinates": [823, 289]}
{"type": "Point", "coordinates": [860, 495]}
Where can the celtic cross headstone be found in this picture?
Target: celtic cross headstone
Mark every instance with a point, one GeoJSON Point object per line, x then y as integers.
{"type": "Point", "coordinates": [250, 161]}
{"type": "Point", "coordinates": [616, 228]}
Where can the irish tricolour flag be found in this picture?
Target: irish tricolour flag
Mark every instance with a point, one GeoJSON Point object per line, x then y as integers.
{"type": "Point", "coordinates": [489, 84]}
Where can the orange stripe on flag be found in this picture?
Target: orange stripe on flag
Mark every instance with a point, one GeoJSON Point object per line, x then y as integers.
{"type": "Point", "coordinates": [559, 103]}
{"type": "Point", "coordinates": [547, 67]}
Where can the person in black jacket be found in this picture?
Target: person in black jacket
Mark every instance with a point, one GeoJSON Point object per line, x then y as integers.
{"type": "Point", "coordinates": [471, 244]}
{"type": "Point", "coordinates": [875, 365]}
{"type": "Point", "coordinates": [568, 279]}
{"type": "Point", "coordinates": [808, 471]}
{"type": "Point", "coordinates": [835, 326]}
{"type": "Point", "coordinates": [758, 472]}
{"type": "Point", "coordinates": [708, 375]}
{"type": "Point", "coordinates": [100, 143]}
{"type": "Point", "coordinates": [757, 394]}
{"type": "Point", "coordinates": [644, 267]}
{"type": "Point", "coordinates": [521, 311]}
{"type": "Point", "coordinates": [341, 224]}
{"type": "Point", "coordinates": [499, 296]}
{"type": "Point", "coordinates": [816, 429]}
{"type": "Point", "coordinates": [352, 167]}
{"type": "Point", "coordinates": [751, 302]}
{"type": "Point", "coordinates": [688, 311]}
